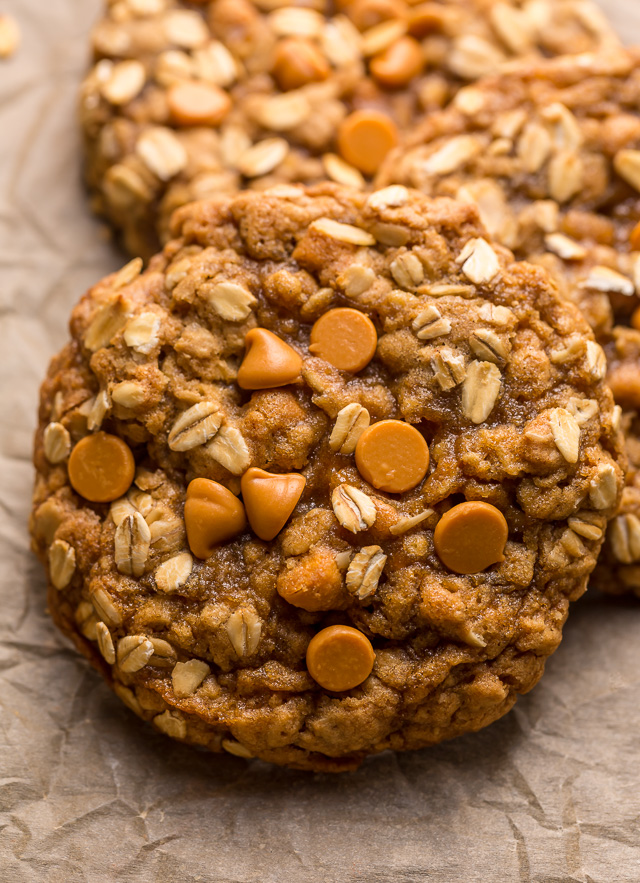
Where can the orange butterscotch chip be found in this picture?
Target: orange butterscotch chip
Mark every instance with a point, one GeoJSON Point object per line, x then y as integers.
{"type": "Point", "coordinates": [344, 337]}
{"type": "Point", "coordinates": [313, 581]}
{"type": "Point", "coordinates": [392, 456]}
{"type": "Point", "coordinates": [367, 14]}
{"type": "Point", "coordinates": [471, 537]}
{"type": "Point", "coordinates": [624, 382]}
{"type": "Point", "coordinates": [198, 104]}
{"type": "Point", "coordinates": [398, 64]}
{"type": "Point", "coordinates": [298, 62]}
{"type": "Point", "coordinates": [101, 467]}
{"type": "Point", "coordinates": [270, 499]}
{"type": "Point", "coordinates": [634, 237]}
{"type": "Point", "coordinates": [635, 319]}
{"type": "Point", "coordinates": [212, 515]}
{"type": "Point", "coordinates": [365, 138]}
{"type": "Point", "coordinates": [339, 658]}
{"type": "Point", "coordinates": [425, 19]}
{"type": "Point", "coordinates": [268, 361]}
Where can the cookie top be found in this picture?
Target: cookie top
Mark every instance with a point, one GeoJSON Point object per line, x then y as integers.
{"type": "Point", "coordinates": [547, 154]}
{"type": "Point", "coordinates": [550, 154]}
{"type": "Point", "coordinates": [345, 479]}
{"type": "Point", "coordinates": [189, 100]}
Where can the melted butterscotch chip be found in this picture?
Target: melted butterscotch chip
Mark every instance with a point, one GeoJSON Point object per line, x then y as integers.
{"type": "Point", "coordinates": [289, 511]}
{"type": "Point", "coordinates": [340, 658]}
{"type": "Point", "coordinates": [101, 467]}
{"type": "Point", "coordinates": [313, 581]}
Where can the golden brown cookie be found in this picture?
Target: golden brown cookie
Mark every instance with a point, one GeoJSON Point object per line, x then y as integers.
{"type": "Point", "coordinates": [324, 562]}
{"type": "Point", "coordinates": [189, 100]}
{"type": "Point", "coordinates": [550, 154]}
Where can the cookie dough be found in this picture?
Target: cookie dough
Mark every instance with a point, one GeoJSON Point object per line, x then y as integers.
{"type": "Point", "coordinates": [187, 100]}
{"type": "Point", "coordinates": [550, 154]}
{"type": "Point", "coordinates": [275, 582]}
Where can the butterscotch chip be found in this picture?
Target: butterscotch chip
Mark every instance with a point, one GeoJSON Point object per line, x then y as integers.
{"type": "Point", "coordinates": [423, 20]}
{"type": "Point", "coordinates": [212, 515]}
{"type": "Point", "coordinates": [539, 151]}
{"type": "Point", "coordinates": [340, 658]}
{"type": "Point", "coordinates": [277, 495]}
{"type": "Point", "coordinates": [198, 104]}
{"type": "Point", "coordinates": [286, 85]}
{"type": "Point", "coordinates": [392, 456]}
{"type": "Point", "coordinates": [366, 14]}
{"type": "Point", "coordinates": [365, 138]}
{"type": "Point", "coordinates": [101, 467]}
{"type": "Point", "coordinates": [298, 62]}
{"type": "Point", "coordinates": [344, 337]}
{"type": "Point", "coordinates": [270, 499]}
{"type": "Point", "coordinates": [398, 64]}
{"type": "Point", "coordinates": [313, 582]}
{"type": "Point", "coordinates": [268, 361]}
{"type": "Point", "coordinates": [471, 537]}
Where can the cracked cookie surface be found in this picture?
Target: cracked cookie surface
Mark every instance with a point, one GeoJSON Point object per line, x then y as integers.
{"type": "Point", "coordinates": [187, 100]}
{"type": "Point", "coordinates": [550, 154]}
{"type": "Point", "coordinates": [436, 508]}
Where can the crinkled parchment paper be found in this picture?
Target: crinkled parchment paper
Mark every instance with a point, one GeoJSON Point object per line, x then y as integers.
{"type": "Point", "coordinates": [89, 794]}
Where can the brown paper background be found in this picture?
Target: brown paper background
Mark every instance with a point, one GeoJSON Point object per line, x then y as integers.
{"type": "Point", "coordinates": [89, 794]}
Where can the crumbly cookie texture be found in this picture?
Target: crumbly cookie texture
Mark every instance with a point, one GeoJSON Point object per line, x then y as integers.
{"type": "Point", "coordinates": [186, 100]}
{"type": "Point", "coordinates": [550, 154]}
{"type": "Point", "coordinates": [372, 618]}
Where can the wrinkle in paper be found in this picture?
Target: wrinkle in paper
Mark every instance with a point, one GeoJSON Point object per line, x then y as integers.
{"type": "Point", "coordinates": [90, 794]}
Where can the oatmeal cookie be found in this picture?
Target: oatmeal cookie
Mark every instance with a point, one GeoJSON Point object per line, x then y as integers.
{"type": "Point", "coordinates": [187, 100]}
{"type": "Point", "coordinates": [550, 154]}
{"type": "Point", "coordinates": [321, 481]}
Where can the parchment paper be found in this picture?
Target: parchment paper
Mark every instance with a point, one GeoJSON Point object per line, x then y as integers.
{"type": "Point", "coordinates": [89, 794]}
